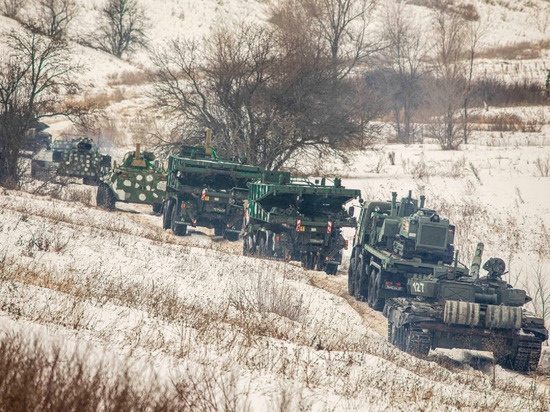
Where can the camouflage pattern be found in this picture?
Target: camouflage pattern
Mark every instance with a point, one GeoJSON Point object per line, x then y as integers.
{"type": "Point", "coordinates": [136, 180]}
{"type": "Point", "coordinates": [462, 311]}
{"type": "Point", "coordinates": [297, 219]}
{"type": "Point", "coordinates": [73, 158]}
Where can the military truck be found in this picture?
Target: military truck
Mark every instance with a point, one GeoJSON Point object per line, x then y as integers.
{"type": "Point", "coordinates": [77, 157]}
{"type": "Point", "coordinates": [297, 219]}
{"type": "Point", "coordinates": [206, 190]}
{"type": "Point", "coordinates": [397, 241]}
{"type": "Point", "coordinates": [457, 310]}
{"type": "Point", "coordinates": [138, 179]}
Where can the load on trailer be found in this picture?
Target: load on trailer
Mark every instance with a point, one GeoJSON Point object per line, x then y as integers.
{"type": "Point", "coordinates": [204, 190]}
{"type": "Point", "coordinates": [296, 219]}
{"type": "Point", "coordinates": [78, 157]}
{"type": "Point", "coordinates": [138, 179]}
{"type": "Point", "coordinates": [397, 241]}
{"type": "Point", "coordinates": [457, 310]}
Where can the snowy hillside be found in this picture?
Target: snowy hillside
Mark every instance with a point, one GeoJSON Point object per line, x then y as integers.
{"type": "Point", "coordinates": [191, 315]}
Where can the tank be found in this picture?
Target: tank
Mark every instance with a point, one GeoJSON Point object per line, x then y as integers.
{"type": "Point", "coordinates": [138, 179]}
{"type": "Point", "coordinates": [298, 219]}
{"type": "Point", "coordinates": [396, 241]}
{"type": "Point", "coordinates": [458, 310]}
{"type": "Point", "coordinates": [79, 157]}
{"type": "Point", "coordinates": [206, 190]}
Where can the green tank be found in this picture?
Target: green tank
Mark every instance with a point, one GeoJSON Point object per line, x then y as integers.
{"type": "Point", "coordinates": [395, 241]}
{"type": "Point", "coordinates": [205, 190]}
{"type": "Point", "coordinates": [459, 310]}
{"type": "Point", "coordinates": [78, 157]}
{"type": "Point", "coordinates": [138, 179]}
{"type": "Point", "coordinates": [297, 219]}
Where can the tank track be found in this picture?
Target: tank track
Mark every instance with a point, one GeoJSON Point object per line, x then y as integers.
{"type": "Point", "coordinates": [420, 342]}
{"type": "Point", "coordinates": [527, 356]}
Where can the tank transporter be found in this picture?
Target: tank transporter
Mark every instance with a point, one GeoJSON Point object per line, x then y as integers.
{"type": "Point", "coordinates": [297, 219]}
{"type": "Point", "coordinates": [205, 190]}
{"type": "Point", "coordinates": [394, 242]}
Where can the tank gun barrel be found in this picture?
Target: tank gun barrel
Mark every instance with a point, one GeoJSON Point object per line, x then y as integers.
{"type": "Point", "coordinates": [476, 261]}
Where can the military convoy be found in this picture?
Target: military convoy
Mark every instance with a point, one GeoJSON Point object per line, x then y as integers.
{"type": "Point", "coordinates": [138, 179]}
{"type": "Point", "coordinates": [403, 260]}
{"type": "Point", "coordinates": [78, 157]}
{"type": "Point", "coordinates": [297, 219]}
{"type": "Point", "coordinates": [205, 190]}
{"type": "Point", "coordinates": [402, 263]}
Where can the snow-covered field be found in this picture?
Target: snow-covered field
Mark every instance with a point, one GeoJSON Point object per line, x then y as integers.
{"type": "Point", "coordinates": [119, 285]}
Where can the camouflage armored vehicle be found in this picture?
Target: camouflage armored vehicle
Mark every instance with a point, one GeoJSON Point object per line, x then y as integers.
{"type": "Point", "coordinates": [296, 219]}
{"type": "Point", "coordinates": [456, 310]}
{"type": "Point", "coordinates": [78, 157]}
{"type": "Point", "coordinates": [397, 241]}
{"type": "Point", "coordinates": [138, 179]}
{"type": "Point", "coordinates": [204, 190]}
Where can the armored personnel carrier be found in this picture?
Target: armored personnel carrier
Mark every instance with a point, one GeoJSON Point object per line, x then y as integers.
{"type": "Point", "coordinates": [296, 219]}
{"type": "Point", "coordinates": [138, 179]}
{"type": "Point", "coordinates": [397, 241]}
{"type": "Point", "coordinates": [78, 157]}
{"type": "Point", "coordinates": [456, 310]}
{"type": "Point", "coordinates": [205, 190]}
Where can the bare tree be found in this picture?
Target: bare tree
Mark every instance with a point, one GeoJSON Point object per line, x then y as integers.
{"type": "Point", "coordinates": [342, 25]}
{"type": "Point", "coordinates": [122, 29]}
{"type": "Point", "coordinates": [264, 93]}
{"type": "Point", "coordinates": [32, 80]}
{"type": "Point", "coordinates": [12, 8]}
{"type": "Point", "coordinates": [448, 88]}
{"type": "Point", "coordinates": [52, 17]}
{"type": "Point", "coordinates": [404, 58]}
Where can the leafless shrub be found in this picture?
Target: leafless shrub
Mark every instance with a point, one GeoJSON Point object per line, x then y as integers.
{"type": "Point", "coordinates": [44, 241]}
{"type": "Point", "coordinates": [379, 167]}
{"type": "Point", "coordinates": [517, 51]}
{"type": "Point", "coordinates": [467, 11]}
{"type": "Point", "coordinates": [543, 166]}
{"type": "Point", "coordinates": [537, 286]}
{"type": "Point", "coordinates": [419, 170]}
{"type": "Point", "coordinates": [502, 122]}
{"type": "Point", "coordinates": [51, 17]}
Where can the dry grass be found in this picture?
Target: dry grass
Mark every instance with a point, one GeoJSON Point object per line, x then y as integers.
{"type": "Point", "coordinates": [129, 78]}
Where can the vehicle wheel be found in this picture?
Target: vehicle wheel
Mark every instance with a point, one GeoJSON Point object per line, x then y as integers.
{"type": "Point", "coordinates": [157, 209]}
{"type": "Point", "coordinates": [219, 230]}
{"type": "Point", "coordinates": [331, 268]}
{"type": "Point", "coordinates": [231, 236]}
{"type": "Point", "coordinates": [167, 214]}
{"type": "Point", "coordinates": [105, 197]}
{"type": "Point", "coordinates": [374, 286]}
{"type": "Point", "coordinates": [362, 287]}
{"type": "Point", "coordinates": [178, 228]}
{"type": "Point", "coordinates": [351, 277]}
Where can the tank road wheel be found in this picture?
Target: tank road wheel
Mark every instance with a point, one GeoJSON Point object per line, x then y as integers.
{"type": "Point", "coordinates": [374, 286]}
{"type": "Point", "coordinates": [527, 356]}
{"type": "Point", "coordinates": [231, 236]}
{"type": "Point", "coordinates": [167, 214]}
{"type": "Point", "coordinates": [177, 228]}
{"type": "Point", "coordinates": [105, 197]}
{"type": "Point", "coordinates": [351, 277]}
{"type": "Point", "coordinates": [157, 209]}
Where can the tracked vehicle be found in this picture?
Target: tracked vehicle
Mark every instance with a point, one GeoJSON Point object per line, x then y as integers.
{"type": "Point", "coordinates": [206, 190]}
{"type": "Point", "coordinates": [138, 179]}
{"type": "Point", "coordinates": [397, 241]}
{"type": "Point", "coordinates": [454, 310]}
{"type": "Point", "coordinates": [78, 157]}
{"type": "Point", "coordinates": [296, 219]}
